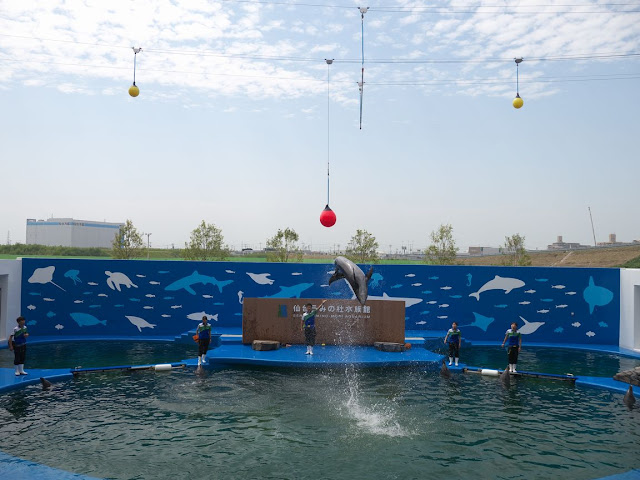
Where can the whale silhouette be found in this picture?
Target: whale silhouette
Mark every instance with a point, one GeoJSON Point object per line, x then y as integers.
{"type": "Point", "coordinates": [195, 278]}
{"type": "Point", "coordinates": [498, 283]}
{"type": "Point", "coordinates": [596, 296]}
{"type": "Point", "coordinates": [292, 291]}
{"type": "Point", "coordinates": [354, 276]}
{"type": "Point", "coordinates": [86, 320]}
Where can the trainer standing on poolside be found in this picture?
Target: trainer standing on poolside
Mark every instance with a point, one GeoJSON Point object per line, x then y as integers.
{"type": "Point", "coordinates": [204, 338]}
{"type": "Point", "coordinates": [515, 345]}
{"type": "Point", "coordinates": [309, 326]}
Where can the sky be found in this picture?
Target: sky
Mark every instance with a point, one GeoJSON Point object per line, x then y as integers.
{"type": "Point", "coordinates": [239, 119]}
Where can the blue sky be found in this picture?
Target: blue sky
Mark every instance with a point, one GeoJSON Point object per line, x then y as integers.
{"type": "Point", "coordinates": [233, 123]}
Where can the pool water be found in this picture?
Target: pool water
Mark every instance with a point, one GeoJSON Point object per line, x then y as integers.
{"type": "Point", "coordinates": [320, 424]}
{"type": "Point", "coordinates": [101, 354]}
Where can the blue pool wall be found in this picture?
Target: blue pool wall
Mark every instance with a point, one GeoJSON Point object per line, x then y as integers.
{"type": "Point", "coordinates": [135, 298]}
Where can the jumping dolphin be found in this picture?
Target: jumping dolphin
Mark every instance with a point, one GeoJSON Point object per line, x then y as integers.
{"type": "Point", "coordinates": [354, 276]}
{"type": "Point", "coordinates": [629, 399]}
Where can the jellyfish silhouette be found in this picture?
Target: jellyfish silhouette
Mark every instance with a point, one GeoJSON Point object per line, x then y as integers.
{"type": "Point", "coordinates": [73, 275]}
{"type": "Point", "coordinates": [44, 275]}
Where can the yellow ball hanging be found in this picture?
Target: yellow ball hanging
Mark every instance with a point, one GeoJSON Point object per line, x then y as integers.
{"type": "Point", "coordinates": [134, 91]}
{"type": "Point", "coordinates": [518, 102]}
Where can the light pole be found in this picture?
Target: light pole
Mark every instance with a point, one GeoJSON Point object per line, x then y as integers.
{"type": "Point", "coordinates": [148, 243]}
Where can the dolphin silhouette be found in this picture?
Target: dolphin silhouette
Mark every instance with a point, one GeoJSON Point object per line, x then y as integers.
{"type": "Point", "coordinates": [354, 276]}
{"type": "Point", "coordinates": [499, 283]}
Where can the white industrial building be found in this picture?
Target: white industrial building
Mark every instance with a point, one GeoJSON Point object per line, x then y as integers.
{"type": "Point", "coordinates": [67, 232]}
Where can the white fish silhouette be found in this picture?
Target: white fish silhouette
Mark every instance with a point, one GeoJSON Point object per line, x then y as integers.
{"type": "Point", "coordinates": [558, 287]}
{"type": "Point", "coordinates": [569, 293]}
{"type": "Point", "coordinates": [443, 317]}
{"type": "Point", "coordinates": [198, 316]}
{"type": "Point", "coordinates": [103, 295]}
{"type": "Point", "coordinates": [524, 303]}
{"type": "Point", "coordinates": [410, 275]}
{"type": "Point", "coordinates": [230, 271]}
{"type": "Point", "coordinates": [590, 334]}
{"type": "Point", "coordinates": [78, 301]}
{"type": "Point", "coordinates": [150, 295]}
{"type": "Point", "coordinates": [444, 305]}
{"type": "Point", "coordinates": [164, 315]}
{"type": "Point", "coordinates": [529, 291]}
{"type": "Point", "coordinates": [576, 324]}
{"type": "Point", "coordinates": [93, 284]}
{"type": "Point", "coordinates": [207, 296]}
{"type": "Point", "coordinates": [562, 306]}
{"type": "Point", "coordinates": [446, 288]}
{"type": "Point", "coordinates": [176, 306]}
{"type": "Point", "coordinates": [31, 307]}
{"type": "Point", "coordinates": [48, 299]}
{"type": "Point", "coordinates": [432, 302]}
{"type": "Point", "coordinates": [416, 284]}
{"type": "Point", "coordinates": [59, 327]}
{"type": "Point", "coordinates": [543, 311]}
{"type": "Point", "coordinates": [154, 283]}
{"type": "Point", "coordinates": [147, 307]}
{"type": "Point", "coordinates": [421, 322]}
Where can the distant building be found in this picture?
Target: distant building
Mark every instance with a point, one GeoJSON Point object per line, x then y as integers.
{"type": "Point", "coordinates": [560, 245]}
{"type": "Point", "coordinates": [67, 232]}
{"type": "Point", "coordinates": [612, 241]}
{"type": "Point", "coordinates": [484, 251]}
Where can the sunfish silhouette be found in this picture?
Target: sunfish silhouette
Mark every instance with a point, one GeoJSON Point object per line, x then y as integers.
{"type": "Point", "coordinates": [596, 296]}
{"type": "Point", "coordinates": [354, 276]}
{"type": "Point", "coordinates": [498, 283]}
{"type": "Point", "coordinates": [291, 292]}
{"type": "Point", "coordinates": [195, 278]}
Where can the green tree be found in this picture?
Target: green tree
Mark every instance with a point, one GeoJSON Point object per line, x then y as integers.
{"type": "Point", "coordinates": [283, 246]}
{"type": "Point", "coordinates": [127, 243]}
{"type": "Point", "coordinates": [362, 248]}
{"type": "Point", "coordinates": [514, 252]}
{"type": "Point", "coordinates": [207, 243]}
{"type": "Point", "coordinates": [442, 250]}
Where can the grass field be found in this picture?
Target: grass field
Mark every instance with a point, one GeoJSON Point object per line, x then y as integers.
{"type": "Point", "coordinates": [627, 257]}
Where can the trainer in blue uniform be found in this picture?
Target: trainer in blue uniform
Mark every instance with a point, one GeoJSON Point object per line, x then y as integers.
{"type": "Point", "coordinates": [514, 338]}
{"type": "Point", "coordinates": [18, 343]}
{"type": "Point", "coordinates": [204, 338]}
{"type": "Point", "coordinates": [455, 340]}
{"type": "Point", "coordinates": [309, 326]}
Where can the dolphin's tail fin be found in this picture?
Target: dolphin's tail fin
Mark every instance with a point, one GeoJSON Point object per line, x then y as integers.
{"type": "Point", "coordinates": [476, 295]}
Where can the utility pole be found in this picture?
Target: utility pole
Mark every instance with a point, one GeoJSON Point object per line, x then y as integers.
{"type": "Point", "coordinates": [592, 229]}
{"type": "Point", "coordinates": [148, 243]}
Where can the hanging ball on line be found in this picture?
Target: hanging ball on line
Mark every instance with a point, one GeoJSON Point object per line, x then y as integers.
{"type": "Point", "coordinates": [328, 217]}
{"type": "Point", "coordinates": [134, 91]}
{"type": "Point", "coordinates": [517, 102]}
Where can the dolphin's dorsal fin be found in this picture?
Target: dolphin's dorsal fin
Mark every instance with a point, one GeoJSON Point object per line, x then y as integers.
{"type": "Point", "coordinates": [523, 319]}
{"type": "Point", "coordinates": [369, 273]}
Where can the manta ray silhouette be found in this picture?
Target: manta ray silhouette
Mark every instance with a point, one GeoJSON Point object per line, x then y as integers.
{"type": "Point", "coordinates": [354, 276]}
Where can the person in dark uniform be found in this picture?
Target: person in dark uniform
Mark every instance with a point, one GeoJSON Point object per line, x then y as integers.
{"type": "Point", "coordinates": [455, 340]}
{"type": "Point", "coordinates": [204, 338]}
{"type": "Point", "coordinates": [309, 326]}
{"type": "Point", "coordinates": [18, 343]}
{"type": "Point", "coordinates": [514, 339]}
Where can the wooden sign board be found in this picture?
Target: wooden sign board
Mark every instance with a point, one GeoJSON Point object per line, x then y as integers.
{"type": "Point", "coordinates": [338, 322]}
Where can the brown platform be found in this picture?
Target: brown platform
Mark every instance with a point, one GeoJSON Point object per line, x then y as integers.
{"type": "Point", "coordinates": [339, 322]}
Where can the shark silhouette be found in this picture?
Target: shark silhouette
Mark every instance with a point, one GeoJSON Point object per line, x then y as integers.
{"type": "Point", "coordinates": [195, 278]}
{"type": "Point", "coordinates": [292, 291]}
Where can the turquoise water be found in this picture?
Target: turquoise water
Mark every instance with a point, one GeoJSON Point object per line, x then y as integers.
{"type": "Point", "coordinates": [339, 424]}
